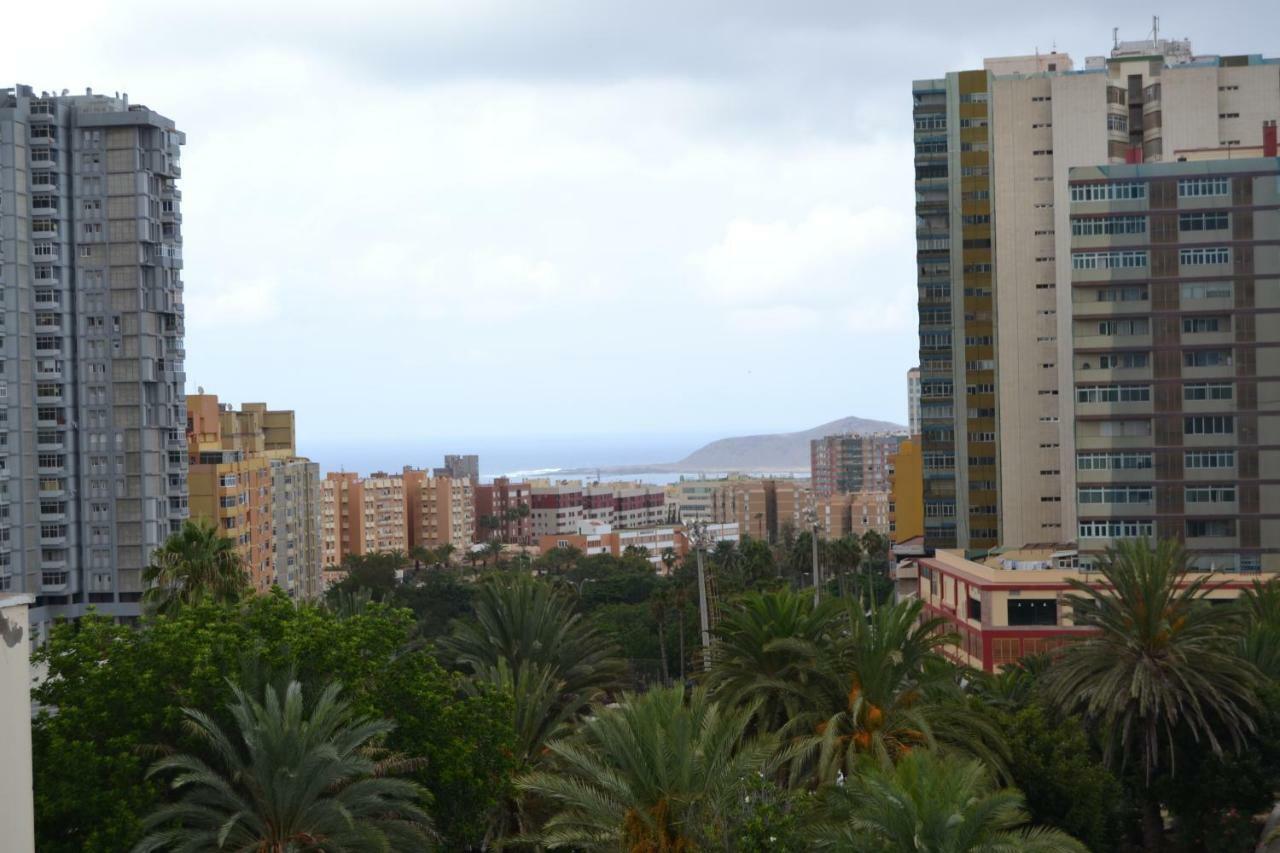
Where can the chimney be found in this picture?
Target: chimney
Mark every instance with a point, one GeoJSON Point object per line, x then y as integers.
{"type": "Point", "coordinates": [1269, 138]}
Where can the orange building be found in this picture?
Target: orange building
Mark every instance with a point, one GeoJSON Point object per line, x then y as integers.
{"type": "Point", "coordinates": [439, 510]}
{"type": "Point", "coordinates": [361, 516]}
{"type": "Point", "coordinates": [230, 479]}
{"type": "Point", "coordinates": [763, 509]}
{"type": "Point", "coordinates": [341, 528]}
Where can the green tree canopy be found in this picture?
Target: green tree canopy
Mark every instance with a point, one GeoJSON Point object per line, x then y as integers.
{"type": "Point", "coordinates": [291, 775]}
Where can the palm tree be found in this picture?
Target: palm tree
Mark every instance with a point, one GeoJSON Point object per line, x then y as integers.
{"type": "Point", "coordinates": [527, 641]}
{"type": "Point", "coordinates": [519, 619]}
{"type": "Point", "coordinates": [663, 771]}
{"type": "Point", "coordinates": [766, 645]}
{"type": "Point", "coordinates": [1162, 660]}
{"type": "Point", "coordinates": [932, 804]}
{"type": "Point", "coordinates": [494, 549]}
{"type": "Point", "coordinates": [669, 559]}
{"type": "Point", "coordinates": [291, 777]}
{"type": "Point", "coordinates": [195, 563]}
{"type": "Point", "coordinates": [444, 553]}
{"type": "Point", "coordinates": [874, 690]}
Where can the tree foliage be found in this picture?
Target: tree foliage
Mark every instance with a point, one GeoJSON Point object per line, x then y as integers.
{"type": "Point", "coordinates": [114, 693]}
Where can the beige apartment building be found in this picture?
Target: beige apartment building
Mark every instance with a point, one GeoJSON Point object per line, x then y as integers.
{"type": "Point", "coordinates": [994, 150]}
{"type": "Point", "coordinates": [440, 510]}
{"type": "Point", "coordinates": [383, 509]}
{"type": "Point", "coordinates": [1176, 355]}
{"type": "Point", "coordinates": [361, 516]}
{"type": "Point", "coordinates": [763, 509]}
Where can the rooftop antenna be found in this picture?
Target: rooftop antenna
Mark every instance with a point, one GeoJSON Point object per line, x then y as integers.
{"type": "Point", "coordinates": [1155, 28]}
{"type": "Point", "coordinates": [1115, 38]}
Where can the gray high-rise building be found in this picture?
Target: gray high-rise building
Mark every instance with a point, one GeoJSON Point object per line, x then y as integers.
{"type": "Point", "coordinates": [460, 467]}
{"type": "Point", "coordinates": [92, 413]}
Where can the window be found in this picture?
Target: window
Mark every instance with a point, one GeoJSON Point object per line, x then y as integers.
{"type": "Point", "coordinates": [1123, 360]}
{"type": "Point", "coordinates": [1037, 612]}
{"type": "Point", "coordinates": [1202, 459]}
{"type": "Point", "coordinates": [974, 98]}
{"type": "Point", "coordinates": [1114, 495]}
{"type": "Point", "coordinates": [1197, 325]}
{"type": "Point", "coordinates": [1122, 529]}
{"type": "Point", "coordinates": [1216, 255]}
{"type": "Point", "coordinates": [1088, 226]}
{"type": "Point", "coordinates": [1130, 259]}
{"type": "Point", "coordinates": [1113, 394]}
{"type": "Point", "coordinates": [1126, 326]}
{"type": "Point", "coordinates": [1109, 191]}
{"type": "Point", "coordinates": [1212, 221]}
{"type": "Point", "coordinates": [1204, 527]}
{"type": "Point", "coordinates": [1207, 358]}
{"type": "Point", "coordinates": [975, 609]}
{"type": "Point", "coordinates": [1209, 425]}
{"type": "Point", "coordinates": [1208, 290]}
{"type": "Point", "coordinates": [1197, 187]}
{"type": "Point", "coordinates": [1113, 461]}
{"type": "Point", "coordinates": [1210, 494]}
{"type": "Point", "coordinates": [1207, 391]}
{"type": "Point", "coordinates": [931, 121]}
{"type": "Point", "coordinates": [1121, 294]}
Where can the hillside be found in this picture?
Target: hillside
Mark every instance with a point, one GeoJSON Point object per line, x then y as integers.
{"type": "Point", "coordinates": [786, 451]}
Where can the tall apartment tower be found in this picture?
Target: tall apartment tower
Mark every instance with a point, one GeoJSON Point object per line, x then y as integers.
{"type": "Point", "coordinates": [844, 464]}
{"type": "Point", "coordinates": [913, 401]}
{"type": "Point", "coordinates": [92, 413]}
{"type": "Point", "coordinates": [993, 152]}
{"type": "Point", "coordinates": [1176, 322]}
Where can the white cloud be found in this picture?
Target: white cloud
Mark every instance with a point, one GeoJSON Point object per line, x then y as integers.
{"type": "Point", "coordinates": [223, 307]}
{"type": "Point", "coordinates": [824, 255]}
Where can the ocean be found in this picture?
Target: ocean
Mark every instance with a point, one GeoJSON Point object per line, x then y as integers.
{"type": "Point", "coordinates": [549, 457]}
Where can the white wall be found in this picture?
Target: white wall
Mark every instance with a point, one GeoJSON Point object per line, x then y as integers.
{"type": "Point", "coordinates": [17, 817]}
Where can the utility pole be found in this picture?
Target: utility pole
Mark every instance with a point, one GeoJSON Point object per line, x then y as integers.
{"type": "Point", "coordinates": [698, 539]}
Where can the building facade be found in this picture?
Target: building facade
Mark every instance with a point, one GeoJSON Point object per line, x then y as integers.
{"type": "Point", "coordinates": [913, 401]}
{"type": "Point", "coordinates": [17, 801]}
{"type": "Point", "coordinates": [244, 476]}
{"type": "Point", "coordinates": [295, 535]}
{"type": "Point", "coordinates": [1015, 605]}
{"type": "Point", "coordinates": [993, 151]}
{"type": "Point", "coordinates": [1175, 297]}
{"type": "Point", "coordinates": [906, 492]}
{"type": "Point", "coordinates": [507, 510]}
{"type": "Point", "coordinates": [561, 507]}
{"type": "Point", "coordinates": [446, 507]}
{"type": "Point", "coordinates": [93, 458]}
{"type": "Point", "coordinates": [460, 467]}
{"type": "Point", "coordinates": [341, 518]}
{"type": "Point", "coordinates": [843, 464]}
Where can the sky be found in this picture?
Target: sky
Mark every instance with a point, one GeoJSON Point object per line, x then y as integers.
{"type": "Point", "coordinates": [502, 220]}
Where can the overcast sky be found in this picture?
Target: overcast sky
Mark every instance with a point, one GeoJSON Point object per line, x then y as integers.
{"type": "Point", "coordinates": [578, 217]}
